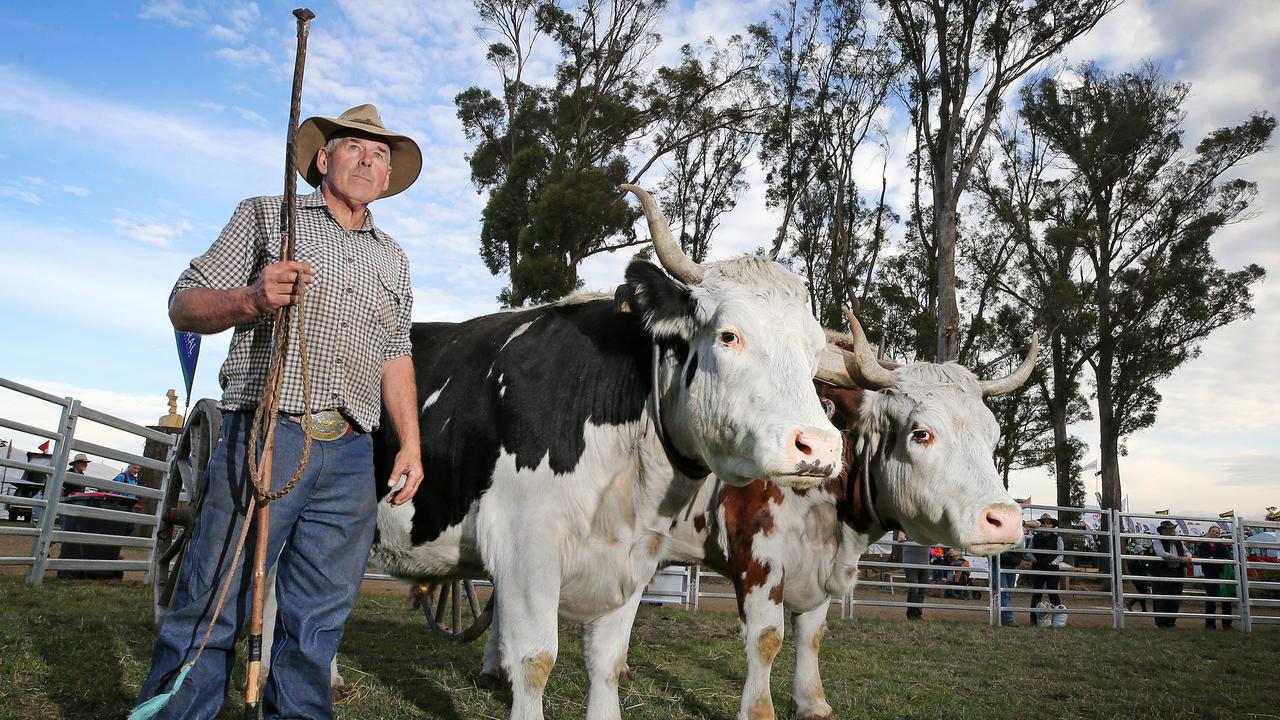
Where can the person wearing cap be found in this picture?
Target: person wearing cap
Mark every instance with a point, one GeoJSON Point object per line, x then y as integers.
{"type": "Point", "coordinates": [355, 281]}
{"type": "Point", "coordinates": [1046, 555]}
{"type": "Point", "coordinates": [1172, 561]}
{"type": "Point", "coordinates": [79, 464]}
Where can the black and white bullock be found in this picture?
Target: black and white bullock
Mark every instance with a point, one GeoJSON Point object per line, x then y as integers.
{"type": "Point", "coordinates": [918, 457]}
{"type": "Point", "coordinates": [560, 443]}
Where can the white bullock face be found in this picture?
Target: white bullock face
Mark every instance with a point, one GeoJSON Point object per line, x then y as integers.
{"type": "Point", "coordinates": [933, 467]}
{"type": "Point", "coordinates": [746, 384]}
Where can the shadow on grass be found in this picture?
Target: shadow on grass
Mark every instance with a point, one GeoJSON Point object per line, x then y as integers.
{"type": "Point", "coordinates": [405, 659]}
{"type": "Point", "coordinates": [83, 652]}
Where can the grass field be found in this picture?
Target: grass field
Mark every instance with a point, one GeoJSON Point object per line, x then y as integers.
{"type": "Point", "coordinates": [79, 649]}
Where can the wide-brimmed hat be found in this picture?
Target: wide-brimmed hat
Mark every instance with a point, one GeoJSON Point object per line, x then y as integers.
{"type": "Point", "coordinates": [80, 457]}
{"type": "Point", "coordinates": [314, 132]}
{"type": "Point", "coordinates": [1166, 524]}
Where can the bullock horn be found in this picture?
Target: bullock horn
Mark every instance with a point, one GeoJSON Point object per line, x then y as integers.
{"type": "Point", "coordinates": [853, 368]}
{"type": "Point", "coordinates": [1014, 380]}
{"type": "Point", "coordinates": [669, 253]}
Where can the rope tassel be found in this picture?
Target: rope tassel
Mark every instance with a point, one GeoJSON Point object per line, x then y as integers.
{"type": "Point", "coordinates": [148, 709]}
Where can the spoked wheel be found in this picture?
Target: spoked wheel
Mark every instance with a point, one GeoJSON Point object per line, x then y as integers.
{"type": "Point", "coordinates": [182, 500]}
{"type": "Point", "coordinates": [452, 608]}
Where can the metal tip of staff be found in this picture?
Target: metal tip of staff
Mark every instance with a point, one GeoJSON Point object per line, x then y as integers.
{"type": "Point", "coordinates": [304, 14]}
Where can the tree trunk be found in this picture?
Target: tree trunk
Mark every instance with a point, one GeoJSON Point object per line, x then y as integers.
{"type": "Point", "coordinates": [1058, 402]}
{"type": "Point", "coordinates": [948, 311]}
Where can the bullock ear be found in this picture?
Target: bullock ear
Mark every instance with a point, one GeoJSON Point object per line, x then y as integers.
{"type": "Point", "coordinates": [666, 305]}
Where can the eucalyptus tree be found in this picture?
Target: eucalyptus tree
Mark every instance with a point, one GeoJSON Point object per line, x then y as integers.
{"type": "Point", "coordinates": [551, 156]}
{"type": "Point", "coordinates": [829, 79]}
{"type": "Point", "coordinates": [1142, 211]}
{"type": "Point", "coordinates": [963, 56]}
{"type": "Point", "coordinates": [1043, 285]}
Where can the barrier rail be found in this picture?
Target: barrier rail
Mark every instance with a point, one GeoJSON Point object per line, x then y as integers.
{"type": "Point", "coordinates": [1091, 579]}
{"type": "Point", "coordinates": [51, 512]}
{"type": "Point", "coordinates": [1104, 562]}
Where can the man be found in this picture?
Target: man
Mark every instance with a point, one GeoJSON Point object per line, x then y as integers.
{"type": "Point", "coordinates": [1010, 562]}
{"type": "Point", "coordinates": [129, 476]}
{"type": "Point", "coordinates": [1216, 594]}
{"type": "Point", "coordinates": [915, 554]}
{"type": "Point", "coordinates": [1173, 562]}
{"type": "Point", "coordinates": [78, 464]}
{"type": "Point", "coordinates": [1048, 556]}
{"type": "Point", "coordinates": [356, 306]}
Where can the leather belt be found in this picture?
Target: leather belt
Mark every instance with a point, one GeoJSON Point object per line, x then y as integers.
{"type": "Point", "coordinates": [326, 424]}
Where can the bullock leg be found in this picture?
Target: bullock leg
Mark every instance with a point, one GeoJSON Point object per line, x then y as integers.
{"type": "Point", "coordinates": [604, 651]}
{"type": "Point", "coordinates": [808, 695]}
{"type": "Point", "coordinates": [528, 605]}
{"type": "Point", "coordinates": [492, 676]}
{"type": "Point", "coordinates": [761, 612]}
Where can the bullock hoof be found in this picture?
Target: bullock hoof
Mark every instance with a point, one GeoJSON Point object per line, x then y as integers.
{"type": "Point", "coordinates": [342, 692]}
{"type": "Point", "coordinates": [492, 681]}
{"type": "Point", "coordinates": [819, 711]}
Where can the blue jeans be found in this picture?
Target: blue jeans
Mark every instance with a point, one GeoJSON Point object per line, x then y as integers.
{"type": "Point", "coordinates": [327, 520]}
{"type": "Point", "coordinates": [1007, 580]}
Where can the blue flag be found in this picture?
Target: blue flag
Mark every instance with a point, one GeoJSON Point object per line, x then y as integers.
{"type": "Point", "coordinates": [188, 352]}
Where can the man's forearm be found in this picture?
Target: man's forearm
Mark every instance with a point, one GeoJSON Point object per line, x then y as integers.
{"type": "Point", "coordinates": [208, 311]}
{"type": "Point", "coordinates": [400, 395]}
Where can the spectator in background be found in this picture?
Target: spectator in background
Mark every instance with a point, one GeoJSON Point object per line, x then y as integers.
{"type": "Point", "coordinates": [915, 554]}
{"type": "Point", "coordinates": [78, 464]}
{"type": "Point", "coordinates": [1010, 563]}
{"type": "Point", "coordinates": [1045, 554]}
{"type": "Point", "coordinates": [1172, 561]}
{"type": "Point", "coordinates": [1139, 569]}
{"type": "Point", "coordinates": [1216, 594]}
{"type": "Point", "coordinates": [129, 476]}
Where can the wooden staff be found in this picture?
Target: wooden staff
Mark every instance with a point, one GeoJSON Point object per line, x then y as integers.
{"type": "Point", "coordinates": [253, 688]}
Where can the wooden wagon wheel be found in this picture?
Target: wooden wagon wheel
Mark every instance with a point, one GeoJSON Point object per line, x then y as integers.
{"type": "Point", "coordinates": [448, 603]}
{"type": "Point", "coordinates": [179, 515]}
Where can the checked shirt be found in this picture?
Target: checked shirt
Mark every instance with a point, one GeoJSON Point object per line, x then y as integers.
{"type": "Point", "coordinates": [356, 311]}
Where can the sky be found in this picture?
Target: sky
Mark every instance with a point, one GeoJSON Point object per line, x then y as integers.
{"type": "Point", "coordinates": [134, 128]}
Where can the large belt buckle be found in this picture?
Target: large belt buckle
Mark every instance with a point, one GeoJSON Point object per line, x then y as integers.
{"type": "Point", "coordinates": [327, 425]}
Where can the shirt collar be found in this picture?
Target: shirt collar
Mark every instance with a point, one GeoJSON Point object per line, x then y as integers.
{"type": "Point", "coordinates": [316, 200]}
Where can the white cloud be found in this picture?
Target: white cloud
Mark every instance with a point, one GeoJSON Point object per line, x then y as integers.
{"type": "Point", "coordinates": [139, 409]}
{"type": "Point", "coordinates": [122, 134]}
{"type": "Point", "coordinates": [144, 228]}
{"type": "Point", "coordinates": [250, 115]}
{"type": "Point", "coordinates": [225, 34]}
{"type": "Point", "coordinates": [35, 190]}
{"type": "Point", "coordinates": [26, 196]}
{"type": "Point", "coordinates": [174, 12]}
{"type": "Point", "coordinates": [247, 57]}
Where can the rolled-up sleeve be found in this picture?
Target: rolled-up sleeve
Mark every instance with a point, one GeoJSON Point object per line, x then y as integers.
{"type": "Point", "coordinates": [399, 344]}
{"type": "Point", "coordinates": [232, 260]}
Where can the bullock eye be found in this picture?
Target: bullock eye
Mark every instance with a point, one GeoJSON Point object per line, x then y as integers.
{"type": "Point", "coordinates": [922, 436]}
{"type": "Point", "coordinates": [729, 338]}
{"type": "Point", "coordinates": [829, 408]}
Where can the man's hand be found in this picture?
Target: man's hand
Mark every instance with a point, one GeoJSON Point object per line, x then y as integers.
{"type": "Point", "coordinates": [277, 285]}
{"type": "Point", "coordinates": [409, 466]}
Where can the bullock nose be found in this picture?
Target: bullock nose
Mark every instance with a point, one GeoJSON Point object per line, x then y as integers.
{"type": "Point", "coordinates": [1000, 524]}
{"type": "Point", "coordinates": [813, 449]}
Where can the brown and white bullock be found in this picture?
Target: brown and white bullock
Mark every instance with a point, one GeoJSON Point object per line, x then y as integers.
{"type": "Point", "coordinates": [918, 457]}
